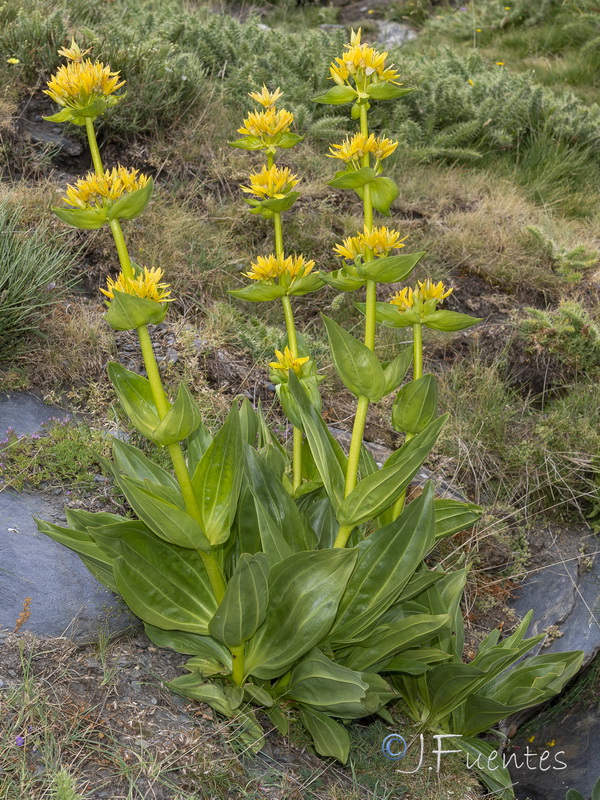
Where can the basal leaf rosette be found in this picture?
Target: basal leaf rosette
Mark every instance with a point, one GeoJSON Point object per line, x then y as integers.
{"type": "Point", "coordinates": [267, 128]}
{"type": "Point", "coordinates": [419, 306]}
{"type": "Point", "coordinates": [270, 191]}
{"type": "Point", "coordinates": [275, 276]}
{"type": "Point", "coordinates": [383, 268]}
{"type": "Point", "coordinates": [84, 88]}
{"type": "Point", "coordinates": [360, 75]}
{"type": "Point", "coordinates": [136, 301]}
{"type": "Point", "coordinates": [94, 200]}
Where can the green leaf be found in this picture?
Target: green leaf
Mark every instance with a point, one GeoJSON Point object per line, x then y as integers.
{"type": "Point", "coordinates": [135, 395]}
{"type": "Point", "coordinates": [352, 179]}
{"type": "Point", "coordinates": [489, 768]}
{"type": "Point", "coordinates": [449, 321]}
{"type": "Point", "coordinates": [288, 139]}
{"type": "Point", "coordinates": [452, 516]}
{"type": "Point", "coordinates": [415, 405]}
{"type": "Point", "coordinates": [383, 193]}
{"type": "Point", "coordinates": [248, 143]}
{"type": "Point", "coordinates": [396, 370]}
{"type": "Point", "coordinates": [377, 492]}
{"type": "Point", "coordinates": [326, 686]}
{"type": "Point", "coordinates": [304, 593]}
{"type": "Point", "coordinates": [337, 95]}
{"type": "Point", "coordinates": [273, 541]}
{"type": "Point", "coordinates": [212, 694]}
{"type": "Point", "coordinates": [386, 561]}
{"type": "Point", "coordinates": [309, 283]}
{"type": "Point", "coordinates": [258, 695]}
{"type": "Point", "coordinates": [279, 720]}
{"type": "Point", "coordinates": [165, 519]}
{"type": "Point", "coordinates": [180, 421]}
{"type": "Point", "coordinates": [64, 115]}
{"type": "Point", "coordinates": [326, 452]}
{"type": "Point", "coordinates": [276, 501]}
{"type": "Point", "coordinates": [87, 219]}
{"type": "Point", "coordinates": [189, 644]}
{"type": "Point", "coordinates": [596, 791]}
{"type": "Point", "coordinates": [95, 559]}
{"type": "Point", "coordinates": [329, 737]}
{"type": "Point", "coordinates": [244, 605]}
{"type": "Point", "coordinates": [573, 794]}
{"type": "Point", "coordinates": [126, 312]}
{"type": "Point", "coordinates": [386, 91]}
{"type": "Point", "coordinates": [279, 204]}
{"type": "Point", "coordinates": [258, 292]}
{"type": "Point", "coordinates": [340, 280]}
{"type": "Point", "coordinates": [357, 366]}
{"type": "Point", "coordinates": [130, 461]}
{"type": "Point", "coordinates": [165, 585]}
{"type": "Point", "coordinates": [389, 640]}
{"type": "Point", "coordinates": [197, 444]}
{"type": "Point", "coordinates": [131, 205]}
{"type": "Point", "coordinates": [389, 315]}
{"type": "Point", "coordinates": [218, 478]}
{"type": "Point", "coordinates": [391, 269]}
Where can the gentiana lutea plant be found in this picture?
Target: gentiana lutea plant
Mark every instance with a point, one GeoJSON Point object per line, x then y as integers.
{"type": "Point", "coordinates": [298, 585]}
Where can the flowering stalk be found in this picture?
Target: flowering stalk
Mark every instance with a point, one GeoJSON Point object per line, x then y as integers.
{"type": "Point", "coordinates": [87, 194]}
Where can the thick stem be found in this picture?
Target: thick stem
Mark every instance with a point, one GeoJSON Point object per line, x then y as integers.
{"type": "Point", "coordinates": [297, 433]}
{"type": "Point", "coordinates": [278, 233]}
{"type": "Point", "coordinates": [417, 373]}
{"type": "Point", "coordinates": [121, 245]}
{"type": "Point", "coordinates": [362, 407]}
{"type": "Point", "coordinates": [93, 144]}
{"type": "Point", "coordinates": [237, 656]}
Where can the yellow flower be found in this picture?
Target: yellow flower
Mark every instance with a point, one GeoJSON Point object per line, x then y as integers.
{"type": "Point", "coordinates": [499, 63]}
{"type": "Point", "coordinates": [378, 241]}
{"type": "Point", "coordinates": [471, 82]}
{"type": "Point", "coordinates": [74, 52]}
{"type": "Point", "coordinates": [147, 284]}
{"type": "Point", "coordinates": [286, 361]}
{"type": "Point", "coordinates": [362, 62]}
{"type": "Point", "coordinates": [13, 61]}
{"type": "Point", "coordinates": [266, 98]}
{"type": "Point", "coordinates": [531, 738]}
{"type": "Point", "coordinates": [355, 147]}
{"type": "Point", "coordinates": [428, 290]}
{"type": "Point", "coordinates": [78, 83]}
{"type": "Point", "coordinates": [408, 298]}
{"type": "Point", "coordinates": [477, 30]}
{"type": "Point", "coordinates": [275, 182]}
{"type": "Point", "coordinates": [269, 267]}
{"type": "Point", "coordinates": [268, 123]}
{"type": "Point", "coordinates": [93, 191]}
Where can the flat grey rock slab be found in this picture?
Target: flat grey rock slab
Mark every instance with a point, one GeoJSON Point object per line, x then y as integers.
{"type": "Point", "coordinates": [564, 592]}
{"type": "Point", "coordinates": [66, 600]}
{"type": "Point", "coordinates": [393, 34]}
{"type": "Point", "coordinates": [25, 413]}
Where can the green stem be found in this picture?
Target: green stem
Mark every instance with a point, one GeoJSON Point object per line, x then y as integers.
{"type": "Point", "coordinates": [360, 419]}
{"type": "Point", "coordinates": [270, 160]}
{"type": "Point", "coordinates": [94, 149]}
{"type": "Point", "coordinates": [278, 233]}
{"type": "Point", "coordinates": [121, 246]}
{"type": "Point", "coordinates": [237, 656]}
{"type": "Point", "coordinates": [417, 373]}
{"type": "Point", "coordinates": [297, 433]}
{"type": "Point", "coordinates": [290, 325]}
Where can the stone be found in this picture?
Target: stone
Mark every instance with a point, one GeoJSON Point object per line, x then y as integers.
{"type": "Point", "coordinates": [393, 34]}
{"type": "Point", "coordinates": [66, 600]}
{"type": "Point", "coordinates": [42, 133]}
{"type": "Point", "coordinates": [25, 413]}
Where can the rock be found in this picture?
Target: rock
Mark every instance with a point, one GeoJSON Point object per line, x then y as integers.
{"type": "Point", "coordinates": [42, 133]}
{"type": "Point", "coordinates": [66, 600]}
{"type": "Point", "coordinates": [564, 591]}
{"type": "Point", "coordinates": [393, 34]}
{"type": "Point", "coordinates": [25, 413]}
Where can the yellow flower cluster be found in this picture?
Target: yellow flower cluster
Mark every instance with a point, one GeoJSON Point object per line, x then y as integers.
{"type": "Point", "coordinates": [271, 182]}
{"type": "Point", "coordinates": [147, 284]}
{"type": "Point", "coordinates": [267, 268]}
{"type": "Point", "coordinates": [378, 241]}
{"type": "Point", "coordinates": [426, 290]}
{"type": "Point", "coordinates": [363, 63]}
{"type": "Point", "coordinates": [73, 52]}
{"type": "Point", "coordinates": [80, 82]}
{"type": "Point", "coordinates": [267, 123]}
{"type": "Point", "coordinates": [286, 361]}
{"type": "Point", "coordinates": [265, 98]}
{"type": "Point", "coordinates": [355, 147]}
{"type": "Point", "coordinates": [93, 190]}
